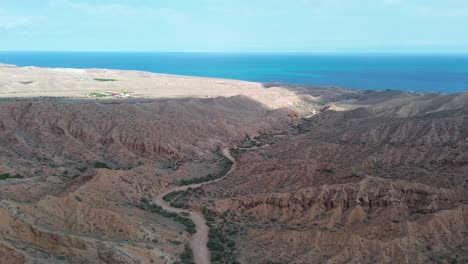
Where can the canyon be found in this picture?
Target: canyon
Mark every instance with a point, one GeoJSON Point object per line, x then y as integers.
{"type": "Point", "coordinates": [319, 174]}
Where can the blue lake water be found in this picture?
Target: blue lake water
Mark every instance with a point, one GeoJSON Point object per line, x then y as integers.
{"type": "Point", "coordinates": [421, 73]}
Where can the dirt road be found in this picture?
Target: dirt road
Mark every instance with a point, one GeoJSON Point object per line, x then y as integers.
{"type": "Point", "coordinates": [199, 242]}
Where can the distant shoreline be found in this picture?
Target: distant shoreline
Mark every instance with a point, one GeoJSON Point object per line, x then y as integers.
{"type": "Point", "coordinates": [437, 73]}
{"type": "Point", "coordinates": [266, 85]}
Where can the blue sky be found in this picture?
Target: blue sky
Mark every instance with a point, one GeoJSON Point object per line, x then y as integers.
{"type": "Point", "coordinates": [235, 25]}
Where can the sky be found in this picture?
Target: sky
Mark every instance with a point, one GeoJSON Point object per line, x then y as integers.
{"type": "Point", "coordinates": [439, 26]}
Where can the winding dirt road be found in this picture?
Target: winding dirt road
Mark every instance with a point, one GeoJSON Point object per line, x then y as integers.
{"type": "Point", "coordinates": [199, 242]}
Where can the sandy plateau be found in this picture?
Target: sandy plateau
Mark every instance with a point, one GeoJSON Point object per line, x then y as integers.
{"type": "Point", "coordinates": [320, 174]}
{"type": "Point", "coordinates": [79, 83]}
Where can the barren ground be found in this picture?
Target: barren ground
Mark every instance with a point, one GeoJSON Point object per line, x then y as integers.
{"type": "Point", "coordinates": [320, 175]}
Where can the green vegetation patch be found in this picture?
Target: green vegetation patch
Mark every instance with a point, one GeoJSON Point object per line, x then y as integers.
{"type": "Point", "coordinates": [97, 94]}
{"type": "Point", "coordinates": [170, 164]}
{"type": "Point", "coordinates": [82, 169]}
{"type": "Point", "coordinates": [175, 242]}
{"type": "Point", "coordinates": [225, 167]}
{"type": "Point", "coordinates": [186, 257]}
{"type": "Point", "coordinates": [269, 139]}
{"type": "Point", "coordinates": [174, 200]}
{"type": "Point", "coordinates": [6, 176]}
{"type": "Point", "coordinates": [101, 165]}
{"type": "Point", "coordinates": [220, 243]}
{"type": "Point", "coordinates": [237, 152]}
{"type": "Point", "coordinates": [248, 143]}
{"type": "Point", "coordinates": [187, 222]}
{"type": "Point", "coordinates": [105, 80]}
{"type": "Point", "coordinates": [251, 143]}
{"type": "Point", "coordinates": [181, 199]}
{"type": "Point", "coordinates": [26, 82]}
{"type": "Point", "coordinates": [171, 196]}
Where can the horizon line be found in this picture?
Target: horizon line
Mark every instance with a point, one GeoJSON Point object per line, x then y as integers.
{"type": "Point", "coordinates": [248, 52]}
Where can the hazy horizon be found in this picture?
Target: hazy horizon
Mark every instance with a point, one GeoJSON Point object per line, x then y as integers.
{"type": "Point", "coordinates": [318, 53]}
{"type": "Point", "coordinates": [300, 26]}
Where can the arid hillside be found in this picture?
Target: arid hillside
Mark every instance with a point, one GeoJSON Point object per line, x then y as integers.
{"type": "Point", "coordinates": [386, 183]}
{"type": "Point", "coordinates": [73, 171]}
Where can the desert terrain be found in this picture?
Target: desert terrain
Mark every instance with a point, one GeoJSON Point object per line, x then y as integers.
{"type": "Point", "coordinates": [200, 170]}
